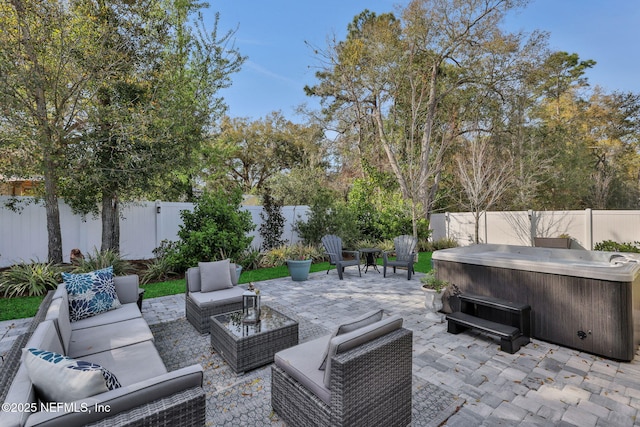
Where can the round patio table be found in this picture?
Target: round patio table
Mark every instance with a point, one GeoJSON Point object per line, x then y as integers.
{"type": "Point", "coordinates": [370, 255]}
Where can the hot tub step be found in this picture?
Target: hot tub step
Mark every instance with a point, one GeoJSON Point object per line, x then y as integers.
{"type": "Point", "coordinates": [511, 339]}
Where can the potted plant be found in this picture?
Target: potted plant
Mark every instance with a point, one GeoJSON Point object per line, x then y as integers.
{"type": "Point", "coordinates": [433, 289]}
{"type": "Point", "coordinates": [299, 261]}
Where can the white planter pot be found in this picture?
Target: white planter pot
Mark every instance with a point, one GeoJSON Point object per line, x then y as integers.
{"type": "Point", "coordinates": [433, 304]}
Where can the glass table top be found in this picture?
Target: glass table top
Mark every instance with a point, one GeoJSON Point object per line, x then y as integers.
{"type": "Point", "coordinates": [270, 319]}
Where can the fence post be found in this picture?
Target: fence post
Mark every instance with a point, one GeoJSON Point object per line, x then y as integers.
{"type": "Point", "coordinates": [533, 227]}
{"type": "Point", "coordinates": [447, 220]}
{"type": "Point", "coordinates": [158, 214]}
{"type": "Point", "coordinates": [588, 228]}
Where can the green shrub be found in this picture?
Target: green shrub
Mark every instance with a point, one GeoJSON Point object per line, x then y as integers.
{"type": "Point", "coordinates": [273, 221]}
{"type": "Point", "coordinates": [30, 279]}
{"type": "Point", "coordinates": [430, 246]}
{"type": "Point", "coordinates": [249, 259]}
{"type": "Point", "coordinates": [277, 257]}
{"type": "Point", "coordinates": [216, 229]}
{"type": "Point", "coordinates": [611, 246]}
{"type": "Point", "coordinates": [158, 269]}
{"type": "Point", "coordinates": [99, 260]}
{"type": "Point", "coordinates": [328, 217]}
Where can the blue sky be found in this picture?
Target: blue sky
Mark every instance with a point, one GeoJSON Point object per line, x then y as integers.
{"type": "Point", "coordinates": [272, 33]}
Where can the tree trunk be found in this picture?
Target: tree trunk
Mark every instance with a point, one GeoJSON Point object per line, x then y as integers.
{"type": "Point", "coordinates": [53, 213]}
{"type": "Point", "coordinates": [110, 222]}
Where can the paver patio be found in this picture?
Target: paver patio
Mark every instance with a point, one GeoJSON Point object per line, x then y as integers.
{"type": "Point", "coordinates": [542, 384]}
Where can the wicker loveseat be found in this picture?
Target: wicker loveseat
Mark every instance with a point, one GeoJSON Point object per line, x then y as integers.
{"type": "Point", "coordinates": [118, 340]}
{"type": "Point", "coordinates": [366, 378]}
{"type": "Point", "coordinates": [211, 289]}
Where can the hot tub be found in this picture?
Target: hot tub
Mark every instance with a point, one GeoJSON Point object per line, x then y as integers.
{"type": "Point", "coordinates": [587, 300]}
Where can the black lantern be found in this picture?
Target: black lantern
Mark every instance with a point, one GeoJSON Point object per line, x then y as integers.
{"type": "Point", "coordinates": [251, 306]}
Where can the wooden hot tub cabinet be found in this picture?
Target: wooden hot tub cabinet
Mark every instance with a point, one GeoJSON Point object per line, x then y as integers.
{"type": "Point", "coordinates": [592, 314]}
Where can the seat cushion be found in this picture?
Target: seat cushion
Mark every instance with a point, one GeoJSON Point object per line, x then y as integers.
{"type": "Point", "coordinates": [349, 326]}
{"type": "Point", "coordinates": [90, 293]}
{"type": "Point", "coordinates": [131, 363]}
{"type": "Point", "coordinates": [357, 337]}
{"type": "Point", "coordinates": [106, 337]}
{"type": "Point", "coordinates": [301, 363]}
{"type": "Point", "coordinates": [125, 312]}
{"type": "Point", "coordinates": [214, 276]}
{"type": "Point", "coordinates": [223, 296]}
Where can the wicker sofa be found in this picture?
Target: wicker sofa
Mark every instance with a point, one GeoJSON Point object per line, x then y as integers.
{"type": "Point", "coordinates": [202, 303]}
{"type": "Point", "coordinates": [118, 340]}
{"type": "Point", "coordinates": [366, 378]}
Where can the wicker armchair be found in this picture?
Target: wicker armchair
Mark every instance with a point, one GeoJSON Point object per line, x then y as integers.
{"type": "Point", "coordinates": [200, 306]}
{"type": "Point", "coordinates": [333, 247]}
{"type": "Point", "coordinates": [370, 384]}
{"type": "Point", "coordinates": [405, 250]}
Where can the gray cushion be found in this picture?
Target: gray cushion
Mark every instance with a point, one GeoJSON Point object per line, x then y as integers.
{"type": "Point", "coordinates": [352, 325]}
{"type": "Point", "coordinates": [127, 288]}
{"type": "Point", "coordinates": [106, 337]}
{"type": "Point", "coordinates": [59, 313]}
{"type": "Point", "coordinates": [131, 363]}
{"type": "Point", "coordinates": [125, 312]}
{"type": "Point", "coordinates": [214, 276]}
{"type": "Point", "coordinates": [224, 296]}
{"type": "Point", "coordinates": [350, 340]}
{"type": "Point", "coordinates": [301, 363]}
{"type": "Point", "coordinates": [192, 276]}
{"type": "Point", "coordinates": [21, 389]}
{"type": "Point", "coordinates": [123, 398]}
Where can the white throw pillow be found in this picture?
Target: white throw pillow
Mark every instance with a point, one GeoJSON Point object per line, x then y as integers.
{"type": "Point", "coordinates": [59, 378]}
{"type": "Point", "coordinates": [214, 276]}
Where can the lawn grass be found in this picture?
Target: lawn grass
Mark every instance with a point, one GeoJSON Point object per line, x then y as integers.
{"type": "Point", "coordinates": [22, 307]}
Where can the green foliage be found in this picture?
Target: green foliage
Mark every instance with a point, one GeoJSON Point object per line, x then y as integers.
{"type": "Point", "coordinates": [430, 281]}
{"type": "Point", "coordinates": [158, 269]}
{"type": "Point", "coordinates": [327, 216]}
{"type": "Point", "coordinates": [430, 246]}
{"type": "Point", "coordinates": [103, 259]}
{"type": "Point", "coordinates": [272, 225]}
{"type": "Point", "coordinates": [381, 213]}
{"type": "Point", "coordinates": [250, 259]}
{"type": "Point", "coordinates": [31, 279]}
{"type": "Point", "coordinates": [216, 229]}
{"type": "Point", "coordinates": [276, 257]}
{"type": "Point", "coordinates": [611, 246]}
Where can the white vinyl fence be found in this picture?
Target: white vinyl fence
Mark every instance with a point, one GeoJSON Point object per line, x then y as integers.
{"type": "Point", "coordinates": [586, 227]}
{"type": "Point", "coordinates": [23, 234]}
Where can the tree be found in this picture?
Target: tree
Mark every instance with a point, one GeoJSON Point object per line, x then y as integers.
{"type": "Point", "coordinates": [49, 55]}
{"type": "Point", "coordinates": [484, 174]}
{"type": "Point", "coordinates": [408, 81]}
{"type": "Point", "coordinates": [259, 150]}
{"type": "Point", "coordinates": [151, 117]}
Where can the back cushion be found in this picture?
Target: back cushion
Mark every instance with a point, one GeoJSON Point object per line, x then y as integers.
{"type": "Point", "coordinates": [352, 325]}
{"type": "Point", "coordinates": [215, 276]}
{"type": "Point", "coordinates": [193, 279]}
{"type": "Point", "coordinates": [59, 313]}
{"type": "Point", "coordinates": [348, 341]}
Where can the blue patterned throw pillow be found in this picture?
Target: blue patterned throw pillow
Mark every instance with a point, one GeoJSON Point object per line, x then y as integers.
{"type": "Point", "coordinates": [90, 293]}
{"type": "Point", "coordinates": [58, 378]}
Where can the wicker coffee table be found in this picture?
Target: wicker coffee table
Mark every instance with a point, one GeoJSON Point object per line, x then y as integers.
{"type": "Point", "coordinates": [248, 346]}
